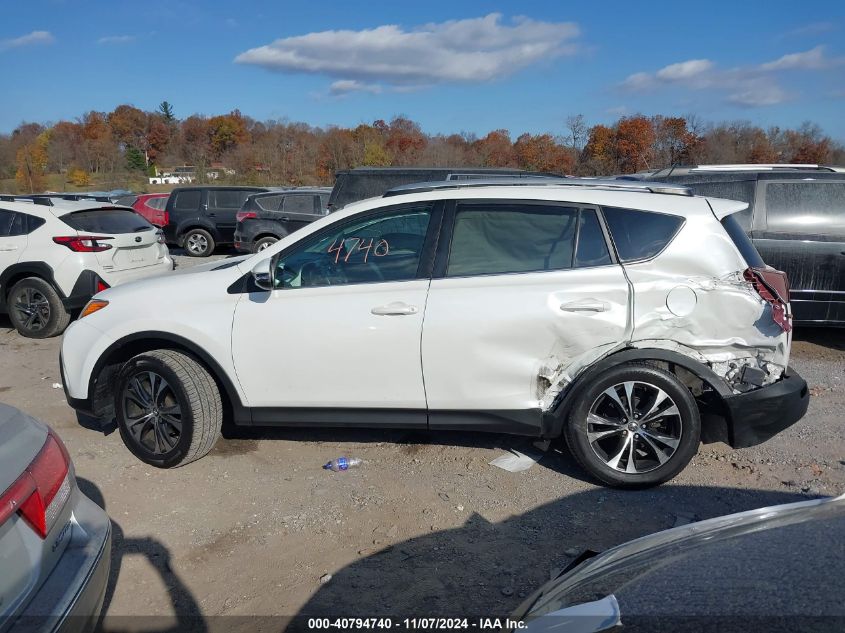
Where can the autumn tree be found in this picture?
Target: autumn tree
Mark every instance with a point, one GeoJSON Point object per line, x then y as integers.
{"type": "Point", "coordinates": [405, 141]}
{"type": "Point", "coordinates": [31, 162]}
{"type": "Point", "coordinates": [542, 153]}
{"type": "Point", "coordinates": [634, 139]}
{"type": "Point", "coordinates": [496, 149]}
{"type": "Point", "coordinates": [227, 131]}
{"type": "Point", "coordinates": [600, 150]}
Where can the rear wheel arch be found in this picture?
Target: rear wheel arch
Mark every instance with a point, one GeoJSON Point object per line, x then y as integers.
{"type": "Point", "coordinates": [660, 358]}
{"type": "Point", "coordinates": [17, 272]}
{"type": "Point", "coordinates": [105, 373]}
{"type": "Point", "coordinates": [197, 223]}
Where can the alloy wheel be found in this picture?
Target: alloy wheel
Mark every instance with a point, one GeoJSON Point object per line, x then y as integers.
{"type": "Point", "coordinates": [33, 309]}
{"type": "Point", "coordinates": [152, 412]}
{"type": "Point", "coordinates": [197, 243]}
{"type": "Point", "coordinates": [634, 427]}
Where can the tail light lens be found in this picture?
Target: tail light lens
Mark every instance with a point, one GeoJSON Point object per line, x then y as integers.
{"type": "Point", "coordinates": [165, 219]}
{"type": "Point", "coordinates": [246, 215]}
{"type": "Point", "coordinates": [773, 287]}
{"type": "Point", "coordinates": [84, 243]}
{"type": "Point", "coordinates": [101, 285]}
{"type": "Point", "coordinates": [41, 492]}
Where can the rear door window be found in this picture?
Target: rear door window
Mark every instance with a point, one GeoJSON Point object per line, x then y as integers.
{"type": "Point", "coordinates": [495, 238]}
{"type": "Point", "coordinates": [227, 198]}
{"type": "Point", "coordinates": [187, 200]}
{"type": "Point", "coordinates": [298, 204]}
{"type": "Point", "coordinates": [108, 221]}
{"type": "Point", "coordinates": [157, 203]}
{"type": "Point", "coordinates": [640, 235]}
{"type": "Point", "coordinates": [806, 207]}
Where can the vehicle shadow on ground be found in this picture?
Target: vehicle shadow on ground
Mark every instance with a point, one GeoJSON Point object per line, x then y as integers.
{"type": "Point", "coordinates": [242, 440]}
{"type": "Point", "coordinates": [832, 337]}
{"type": "Point", "coordinates": [188, 614]}
{"type": "Point", "coordinates": [486, 569]}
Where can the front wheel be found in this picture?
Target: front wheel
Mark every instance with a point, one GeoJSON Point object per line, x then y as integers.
{"type": "Point", "coordinates": [634, 426]}
{"type": "Point", "coordinates": [168, 408]}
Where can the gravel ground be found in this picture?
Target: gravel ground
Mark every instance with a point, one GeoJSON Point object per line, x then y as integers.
{"type": "Point", "coordinates": [425, 526]}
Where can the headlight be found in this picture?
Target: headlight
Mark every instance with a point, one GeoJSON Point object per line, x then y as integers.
{"type": "Point", "coordinates": [93, 306]}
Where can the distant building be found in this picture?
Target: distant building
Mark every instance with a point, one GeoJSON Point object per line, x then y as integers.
{"type": "Point", "coordinates": [186, 174]}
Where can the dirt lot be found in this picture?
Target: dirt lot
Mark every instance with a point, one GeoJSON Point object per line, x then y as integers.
{"type": "Point", "coordinates": [424, 527]}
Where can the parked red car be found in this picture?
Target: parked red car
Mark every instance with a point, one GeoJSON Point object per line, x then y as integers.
{"type": "Point", "coordinates": [149, 205]}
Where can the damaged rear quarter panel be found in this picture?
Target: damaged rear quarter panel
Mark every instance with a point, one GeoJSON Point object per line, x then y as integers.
{"type": "Point", "coordinates": [692, 298]}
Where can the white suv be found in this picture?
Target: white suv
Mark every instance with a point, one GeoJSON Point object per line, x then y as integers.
{"type": "Point", "coordinates": [55, 255]}
{"type": "Point", "coordinates": [629, 318]}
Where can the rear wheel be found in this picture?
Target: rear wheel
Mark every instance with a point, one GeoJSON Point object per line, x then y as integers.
{"type": "Point", "coordinates": [198, 243]}
{"type": "Point", "coordinates": [634, 426]}
{"type": "Point", "coordinates": [168, 408]}
{"type": "Point", "coordinates": [36, 310]}
{"type": "Point", "coordinates": [264, 242]}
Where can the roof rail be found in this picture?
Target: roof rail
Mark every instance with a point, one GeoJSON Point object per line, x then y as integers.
{"type": "Point", "coordinates": [588, 183]}
{"type": "Point", "coordinates": [760, 167]}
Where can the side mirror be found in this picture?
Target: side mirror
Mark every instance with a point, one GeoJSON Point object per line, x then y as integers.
{"type": "Point", "coordinates": [262, 273]}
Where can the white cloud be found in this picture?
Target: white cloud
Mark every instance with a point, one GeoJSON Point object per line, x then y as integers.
{"type": "Point", "coordinates": [345, 86]}
{"type": "Point", "coordinates": [815, 28]}
{"type": "Point", "coordinates": [813, 59]}
{"type": "Point", "coordinates": [684, 70]}
{"type": "Point", "coordinates": [116, 39]}
{"type": "Point", "coordinates": [748, 86]}
{"type": "Point", "coordinates": [36, 37]}
{"type": "Point", "coordinates": [756, 95]}
{"type": "Point", "coordinates": [471, 50]}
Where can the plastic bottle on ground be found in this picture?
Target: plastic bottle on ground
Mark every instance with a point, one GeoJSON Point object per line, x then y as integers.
{"type": "Point", "coordinates": [342, 463]}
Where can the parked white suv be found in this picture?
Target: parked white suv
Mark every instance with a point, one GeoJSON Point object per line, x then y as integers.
{"type": "Point", "coordinates": [628, 318]}
{"type": "Point", "coordinates": [55, 255]}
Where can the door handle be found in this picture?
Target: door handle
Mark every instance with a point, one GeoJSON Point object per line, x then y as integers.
{"type": "Point", "coordinates": [396, 308]}
{"type": "Point", "coordinates": [586, 305]}
{"type": "Point", "coordinates": [8, 248]}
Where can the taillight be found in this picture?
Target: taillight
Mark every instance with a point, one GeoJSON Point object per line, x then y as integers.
{"type": "Point", "coordinates": [165, 219]}
{"type": "Point", "coordinates": [84, 243]}
{"type": "Point", "coordinates": [773, 287]}
{"type": "Point", "coordinates": [245, 215]}
{"type": "Point", "coordinates": [40, 493]}
{"type": "Point", "coordinates": [101, 285]}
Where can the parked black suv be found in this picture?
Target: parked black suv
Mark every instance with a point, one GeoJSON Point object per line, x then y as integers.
{"type": "Point", "coordinates": [796, 219]}
{"type": "Point", "coordinates": [267, 217]}
{"type": "Point", "coordinates": [352, 185]}
{"type": "Point", "coordinates": [201, 218]}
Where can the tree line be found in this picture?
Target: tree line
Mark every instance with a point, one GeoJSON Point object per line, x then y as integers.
{"type": "Point", "coordinates": [124, 146]}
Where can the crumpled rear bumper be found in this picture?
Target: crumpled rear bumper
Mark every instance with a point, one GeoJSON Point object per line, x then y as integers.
{"type": "Point", "coordinates": [758, 415]}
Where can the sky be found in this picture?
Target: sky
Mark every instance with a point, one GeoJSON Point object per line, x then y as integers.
{"type": "Point", "coordinates": [452, 66]}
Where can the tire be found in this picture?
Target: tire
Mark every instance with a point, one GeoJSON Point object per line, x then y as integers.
{"type": "Point", "coordinates": [36, 310]}
{"type": "Point", "coordinates": [188, 396]}
{"type": "Point", "coordinates": [198, 243]}
{"type": "Point", "coordinates": [264, 242]}
{"type": "Point", "coordinates": [618, 451]}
